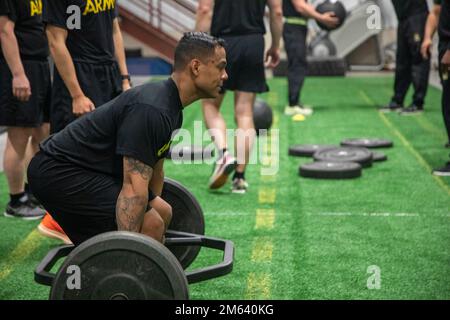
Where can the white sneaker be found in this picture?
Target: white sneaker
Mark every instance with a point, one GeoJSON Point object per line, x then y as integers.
{"type": "Point", "coordinates": [224, 166]}
{"type": "Point", "coordinates": [239, 186]}
{"type": "Point", "coordinates": [293, 110]}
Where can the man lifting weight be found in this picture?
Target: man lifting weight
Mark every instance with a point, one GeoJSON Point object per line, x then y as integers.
{"type": "Point", "coordinates": [104, 171]}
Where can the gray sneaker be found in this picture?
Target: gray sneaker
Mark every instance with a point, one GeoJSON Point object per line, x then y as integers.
{"type": "Point", "coordinates": [34, 201]}
{"type": "Point", "coordinates": [239, 186]}
{"type": "Point", "coordinates": [26, 210]}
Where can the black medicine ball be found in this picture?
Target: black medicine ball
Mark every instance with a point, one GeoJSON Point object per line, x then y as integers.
{"type": "Point", "coordinates": [262, 115]}
{"type": "Point", "coordinates": [334, 6]}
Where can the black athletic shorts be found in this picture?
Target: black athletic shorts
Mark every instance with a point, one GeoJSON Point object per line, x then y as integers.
{"type": "Point", "coordinates": [100, 83]}
{"type": "Point", "coordinates": [83, 202]}
{"type": "Point", "coordinates": [35, 111]}
{"type": "Point", "coordinates": [245, 63]}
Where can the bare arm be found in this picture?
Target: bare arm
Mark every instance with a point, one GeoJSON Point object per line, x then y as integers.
{"type": "Point", "coordinates": [276, 27]}
{"type": "Point", "coordinates": [57, 41]}
{"type": "Point", "coordinates": [204, 15]}
{"type": "Point", "coordinates": [133, 198]}
{"type": "Point", "coordinates": [21, 85]}
{"type": "Point", "coordinates": [430, 29]}
{"type": "Point", "coordinates": [120, 53]}
{"type": "Point", "coordinates": [308, 11]}
{"type": "Point", "coordinates": [157, 181]}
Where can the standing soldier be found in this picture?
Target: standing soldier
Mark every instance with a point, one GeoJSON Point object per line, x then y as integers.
{"type": "Point", "coordinates": [241, 24]}
{"type": "Point", "coordinates": [25, 92]}
{"type": "Point", "coordinates": [440, 18]}
{"type": "Point", "coordinates": [410, 65]}
{"type": "Point", "coordinates": [296, 13]}
{"type": "Point", "coordinates": [90, 64]}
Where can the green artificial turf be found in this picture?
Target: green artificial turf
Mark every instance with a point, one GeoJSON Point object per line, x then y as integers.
{"type": "Point", "coordinates": [325, 234]}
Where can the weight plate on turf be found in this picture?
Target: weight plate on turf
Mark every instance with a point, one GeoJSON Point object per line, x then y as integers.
{"type": "Point", "coordinates": [367, 143]}
{"type": "Point", "coordinates": [187, 216]}
{"type": "Point", "coordinates": [379, 156]}
{"type": "Point", "coordinates": [190, 153]}
{"type": "Point", "coordinates": [345, 154]}
{"type": "Point", "coordinates": [306, 150]}
{"type": "Point", "coordinates": [330, 170]}
{"type": "Point", "coordinates": [120, 265]}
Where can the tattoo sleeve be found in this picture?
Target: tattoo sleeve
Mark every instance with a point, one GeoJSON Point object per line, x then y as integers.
{"type": "Point", "coordinates": [132, 201]}
{"type": "Point", "coordinates": [136, 167]}
{"type": "Point", "coordinates": [130, 212]}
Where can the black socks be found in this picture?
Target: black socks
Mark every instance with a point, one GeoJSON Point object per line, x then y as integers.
{"type": "Point", "coordinates": [15, 199]}
{"type": "Point", "coordinates": [239, 175]}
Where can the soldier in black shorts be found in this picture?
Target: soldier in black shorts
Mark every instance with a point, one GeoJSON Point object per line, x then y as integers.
{"type": "Point", "coordinates": [90, 61]}
{"type": "Point", "coordinates": [104, 171]}
{"type": "Point", "coordinates": [241, 24]}
{"type": "Point", "coordinates": [25, 91]}
{"type": "Point", "coordinates": [90, 65]}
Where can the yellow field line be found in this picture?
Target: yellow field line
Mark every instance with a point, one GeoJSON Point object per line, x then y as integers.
{"type": "Point", "coordinates": [268, 178]}
{"type": "Point", "coordinates": [276, 120]}
{"type": "Point", "coordinates": [408, 146]}
{"type": "Point", "coordinates": [267, 195]}
{"type": "Point", "coordinates": [258, 286]}
{"type": "Point", "coordinates": [265, 219]}
{"type": "Point", "coordinates": [262, 249]}
{"type": "Point", "coordinates": [20, 253]}
{"type": "Point", "coordinates": [272, 98]}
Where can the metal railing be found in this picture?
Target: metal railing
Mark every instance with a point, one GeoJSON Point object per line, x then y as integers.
{"type": "Point", "coordinates": [171, 17]}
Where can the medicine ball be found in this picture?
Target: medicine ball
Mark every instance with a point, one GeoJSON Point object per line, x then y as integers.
{"type": "Point", "coordinates": [334, 6]}
{"type": "Point", "coordinates": [262, 115]}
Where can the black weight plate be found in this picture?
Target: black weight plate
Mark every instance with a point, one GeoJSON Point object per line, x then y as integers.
{"type": "Point", "coordinates": [190, 153]}
{"type": "Point", "coordinates": [379, 156]}
{"type": "Point", "coordinates": [120, 265]}
{"type": "Point", "coordinates": [187, 216]}
{"type": "Point", "coordinates": [306, 150]}
{"type": "Point", "coordinates": [367, 143]}
{"type": "Point", "coordinates": [330, 170]}
{"type": "Point", "coordinates": [345, 154]}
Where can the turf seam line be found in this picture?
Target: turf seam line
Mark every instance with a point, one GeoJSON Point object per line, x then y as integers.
{"type": "Point", "coordinates": [414, 152]}
{"type": "Point", "coordinates": [407, 144]}
{"type": "Point", "coordinates": [377, 214]}
{"type": "Point", "coordinates": [428, 127]}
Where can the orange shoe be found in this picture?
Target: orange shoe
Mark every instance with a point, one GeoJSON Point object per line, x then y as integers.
{"type": "Point", "coordinates": [50, 228]}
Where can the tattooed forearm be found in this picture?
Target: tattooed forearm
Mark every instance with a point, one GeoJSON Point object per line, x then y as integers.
{"type": "Point", "coordinates": [136, 167]}
{"type": "Point", "coordinates": [130, 212]}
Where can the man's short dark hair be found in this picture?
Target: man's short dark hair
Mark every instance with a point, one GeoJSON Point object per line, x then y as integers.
{"type": "Point", "coordinates": [193, 45]}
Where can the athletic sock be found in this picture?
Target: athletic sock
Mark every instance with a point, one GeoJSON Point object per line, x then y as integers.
{"type": "Point", "coordinates": [239, 175]}
{"type": "Point", "coordinates": [15, 199]}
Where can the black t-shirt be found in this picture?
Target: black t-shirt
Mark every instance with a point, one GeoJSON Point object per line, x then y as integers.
{"type": "Point", "coordinates": [407, 8]}
{"type": "Point", "coordinates": [93, 42]}
{"type": "Point", "coordinates": [238, 17]}
{"type": "Point", "coordinates": [138, 124]}
{"type": "Point", "coordinates": [29, 29]}
{"type": "Point", "coordinates": [444, 23]}
{"type": "Point", "coordinates": [289, 9]}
